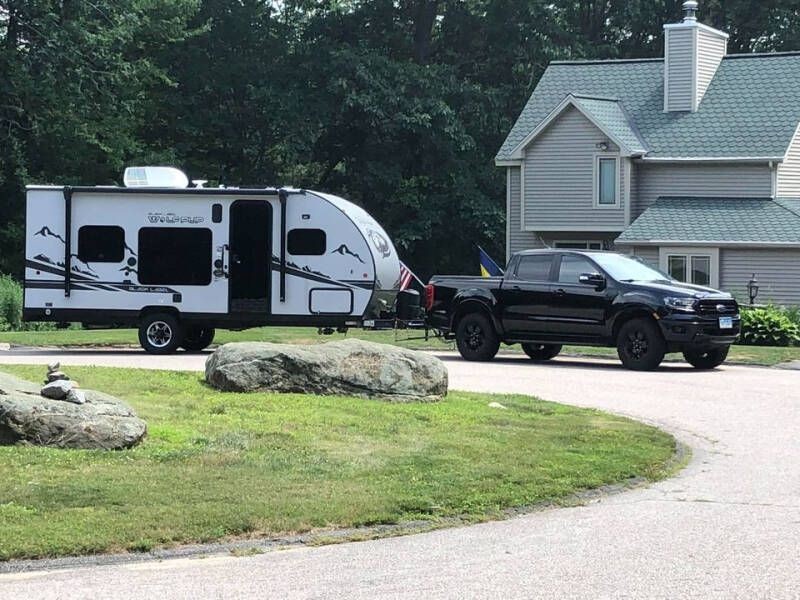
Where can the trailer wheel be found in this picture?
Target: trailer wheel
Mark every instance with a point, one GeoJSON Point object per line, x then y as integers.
{"type": "Point", "coordinates": [160, 333]}
{"type": "Point", "coordinates": [197, 338]}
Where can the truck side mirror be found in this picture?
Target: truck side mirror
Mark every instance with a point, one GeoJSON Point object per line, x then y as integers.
{"type": "Point", "coordinates": [596, 280]}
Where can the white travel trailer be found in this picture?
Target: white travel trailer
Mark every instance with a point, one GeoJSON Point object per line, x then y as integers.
{"type": "Point", "coordinates": [178, 261]}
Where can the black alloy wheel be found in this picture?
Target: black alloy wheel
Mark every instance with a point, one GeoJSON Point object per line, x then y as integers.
{"type": "Point", "coordinates": [541, 352]}
{"type": "Point", "coordinates": [476, 338]}
{"type": "Point", "coordinates": [640, 345]}
{"type": "Point", "coordinates": [706, 359]}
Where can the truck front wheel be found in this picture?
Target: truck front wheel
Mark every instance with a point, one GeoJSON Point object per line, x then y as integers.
{"type": "Point", "coordinates": [476, 338]}
{"type": "Point", "coordinates": [706, 359]}
{"type": "Point", "coordinates": [160, 333]}
{"type": "Point", "coordinates": [640, 345]}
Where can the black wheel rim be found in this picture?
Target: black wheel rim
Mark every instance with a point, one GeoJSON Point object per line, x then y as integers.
{"type": "Point", "coordinates": [474, 336]}
{"type": "Point", "coordinates": [636, 345]}
{"type": "Point", "coordinates": [159, 334]}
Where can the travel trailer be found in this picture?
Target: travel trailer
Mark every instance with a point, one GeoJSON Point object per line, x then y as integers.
{"type": "Point", "coordinates": [178, 261]}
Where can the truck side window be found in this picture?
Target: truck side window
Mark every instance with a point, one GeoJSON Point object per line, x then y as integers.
{"type": "Point", "coordinates": [174, 256]}
{"type": "Point", "coordinates": [101, 243]}
{"type": "Point", "coordinates": [306, 242]}
{"type": "Point", "coordinates": [535, 267]}
{"type": "Point", "coordinates": [572, 267]}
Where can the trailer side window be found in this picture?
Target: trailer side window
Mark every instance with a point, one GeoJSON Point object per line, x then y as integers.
{"type": "Point", "coordinates": [101, 243]}
{"type": "Point", "coordinates": [174, 256]}
{"type": "Point", "coordinates": [306, 242]}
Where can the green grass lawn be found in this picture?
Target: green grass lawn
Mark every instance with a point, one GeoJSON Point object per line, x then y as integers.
{"type": "Point", "coordinates": [216, 465]}
{"type": "Point", "coordinates": [752, 355]}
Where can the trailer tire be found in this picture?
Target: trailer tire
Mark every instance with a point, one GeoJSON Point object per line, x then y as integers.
{"type": "Point", "coordinates": [476, 338]}
{"type": "Point", "coordinates": [160, 333]}
{"type": "Point", "coordinates": [197, 338]}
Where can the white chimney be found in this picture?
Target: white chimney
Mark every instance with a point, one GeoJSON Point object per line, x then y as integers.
{"type": "Point", "coordinates": [692, 55]}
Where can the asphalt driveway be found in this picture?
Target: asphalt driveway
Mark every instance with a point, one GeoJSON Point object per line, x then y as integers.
{"type": "Point", "coordinates": [728, 526]}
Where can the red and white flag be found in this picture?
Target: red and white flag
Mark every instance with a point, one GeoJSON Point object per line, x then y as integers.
{"type": "Point", "coordinates": [406, 275]}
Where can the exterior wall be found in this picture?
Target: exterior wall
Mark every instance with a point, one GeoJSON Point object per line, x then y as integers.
{"type": "Point", "coordinates": [550, 238]}
{"type": "Point", "coordinates": [679, 69]}
{"type": "Point", "coordinates": [789, 170]}
{"type": "Point", "coordinates": [647, 253]}
{"type": "Point", "coordinates": [703, 180]}
{"type": "Point", "coordinates": [516, 239]}
{"type": "Point", "coordinates": [559, 178]}
{"type": "Point", "coordinates": [711, 49]}
{"type": "Point", "coordinates": [777, 271]}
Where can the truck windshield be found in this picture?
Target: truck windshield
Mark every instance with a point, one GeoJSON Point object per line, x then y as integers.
{"type": "Point", "coordinates": [624, 268]}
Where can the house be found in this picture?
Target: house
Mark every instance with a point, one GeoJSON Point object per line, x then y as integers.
{"type": "Point", "coordinates": [690, 161]}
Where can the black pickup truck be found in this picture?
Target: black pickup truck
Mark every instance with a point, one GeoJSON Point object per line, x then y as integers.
{"type": "Point", "coordinates": [552, 297]}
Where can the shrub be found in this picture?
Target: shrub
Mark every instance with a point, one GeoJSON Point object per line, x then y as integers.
{"type": "Point", "coordinates": [768, 326]}
{"type": "Point", "coordinates": [10, 304]}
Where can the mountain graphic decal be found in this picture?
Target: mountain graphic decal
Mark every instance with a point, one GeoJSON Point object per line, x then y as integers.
{"type": "Point", "coordinates": [345, 251]}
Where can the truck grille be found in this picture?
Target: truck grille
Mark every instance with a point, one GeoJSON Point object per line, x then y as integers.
{"type": "Point", "coordinates": [710, 306]}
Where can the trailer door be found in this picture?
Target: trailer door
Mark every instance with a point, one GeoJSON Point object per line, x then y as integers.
{"type": "Point", "coordinates": [250, 257]}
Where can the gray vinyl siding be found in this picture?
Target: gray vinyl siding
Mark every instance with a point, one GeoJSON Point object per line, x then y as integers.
{"type": "Point", "coordinates": [680, 69]}
{"type": "Point", "coordinates": [703, 180]}
{"type": "Point", "coordinates": [550, 238]}
{"type": "Point", "coordinates": [649, 254]}
{"type": "Point", "coordinates": [711, 49]}
{"type": "Point", "coordinates": [559, 177]}
{"type": "Point", "coordinates": [517, 239]}
{"type": "Point", "coordinates": [777, 271]}
{"type": "Point", "coordinates": [789, 170]}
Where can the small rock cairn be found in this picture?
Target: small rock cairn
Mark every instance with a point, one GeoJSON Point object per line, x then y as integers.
{"type": "Point", "coordinates": [58, 386]}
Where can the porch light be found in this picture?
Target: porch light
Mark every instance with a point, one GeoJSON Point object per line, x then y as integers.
{"type": "Point", "coordinates": [752, 289]}
{"type": "Point", "coordinates": [602, 146]}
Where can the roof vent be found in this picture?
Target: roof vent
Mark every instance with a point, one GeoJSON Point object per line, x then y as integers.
{"type": "Point", "coordinates": [155, 177]}
{"type": "Point", "coordinates": [690, 11]}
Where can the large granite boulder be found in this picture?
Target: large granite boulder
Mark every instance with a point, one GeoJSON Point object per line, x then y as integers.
{"type": "Point", "coordinates": [101, 422]}
{"type": "Point", "coordinates": [348, 368]}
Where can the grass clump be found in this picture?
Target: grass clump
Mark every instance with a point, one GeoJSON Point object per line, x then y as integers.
{"type": "Point", "coordinates": [272, 464]}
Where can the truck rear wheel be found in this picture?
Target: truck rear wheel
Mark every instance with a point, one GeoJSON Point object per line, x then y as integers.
{"type": "Point", "coordinates": [197, 338]}
{"type": "Point", "coordinates": [160, 333]}
{"type": "Point", "coordinates": [541, 351]}
{"type": "Point", "coordinates": [476, 338]}
{"type": "Point", "coordinates": [706, 359]}
{"type": "Point", "coordinates": [640, 345]}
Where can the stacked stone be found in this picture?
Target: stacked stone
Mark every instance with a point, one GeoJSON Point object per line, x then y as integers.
{"type": "Point", "coordinates": [58, 386]}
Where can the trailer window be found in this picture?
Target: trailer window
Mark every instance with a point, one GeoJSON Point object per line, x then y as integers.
{"type": "Point", "coordinates": [306, 242]}
{"type": "Point", "coordinates": [174, 256]}
{"type": "Point", "coordinates": [101, 243]}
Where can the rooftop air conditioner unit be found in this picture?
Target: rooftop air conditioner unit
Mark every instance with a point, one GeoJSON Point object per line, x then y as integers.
{"type": "Point", "coordinates": [155, 177]}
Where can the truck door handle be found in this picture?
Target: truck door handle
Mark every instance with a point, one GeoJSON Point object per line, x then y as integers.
{"type": "Point", "coordinates": [560, 292]}
{"type": "Point", "coordinates": [516, 288]}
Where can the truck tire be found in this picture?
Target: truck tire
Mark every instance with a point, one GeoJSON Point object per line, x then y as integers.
{"type": "Point", "coordinates": [541, 351]}
{"type": "Point", "coordinates": [476, 338]}
{"type": "Point", "coordinates": [160, 333]}
{"type": "Point", "coordinates": [197, 338]}
{"type": "Point", "coordinates": [706, 359]}
{"type": "Point", "coordinates": [640, 345]}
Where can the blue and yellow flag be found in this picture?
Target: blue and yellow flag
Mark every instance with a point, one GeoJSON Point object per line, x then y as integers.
{"type": "Point", "coordinates": [489, 268]}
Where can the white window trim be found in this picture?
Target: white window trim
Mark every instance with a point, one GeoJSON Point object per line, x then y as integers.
{"type": "Point", "coordinates": [596, 181]}
{"type": "Point", "coordinates": [664, 252]}
{"type": "Point", "coordinates": [585, 242]}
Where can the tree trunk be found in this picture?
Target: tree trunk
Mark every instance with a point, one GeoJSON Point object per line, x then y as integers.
{"type": "Point", "coordinates": [424, 19]}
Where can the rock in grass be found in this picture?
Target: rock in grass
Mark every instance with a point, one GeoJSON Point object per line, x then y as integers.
{"type": "Point", "coordinates": [57, 390]}
{"type": "Point", "coordinates": [56, 376]}
{"type": "Point", "coordinates": [101, 422]}
{"type": "Point", "coordinates": [348, 368]}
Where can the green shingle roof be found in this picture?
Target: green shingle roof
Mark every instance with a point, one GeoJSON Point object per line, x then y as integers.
{"type": "Point", "coordinates": [756, 220]}
{"type": "Point", "coordinates": [751, 108]}
{"type": "Point", "coordinates": [611, 116]}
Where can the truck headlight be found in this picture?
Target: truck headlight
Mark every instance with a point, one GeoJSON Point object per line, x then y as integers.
{"type": "Point", "coordinates": [681, 304]}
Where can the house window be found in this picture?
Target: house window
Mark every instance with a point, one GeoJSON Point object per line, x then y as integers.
{"type": "Point", "coordinates": [692, 265]}
{"type": "Point", "coordinates": [174, 256]}
{"type": "Point", "coordinates": [306, 242]}
{"type": "Point", "coordinates": [101, 243]}
{"type": "Point", "coordinates": [606, 185]}
{"type": "Point", "coordinates": [584, 245]}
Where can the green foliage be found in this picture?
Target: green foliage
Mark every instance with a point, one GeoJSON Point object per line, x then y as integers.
{"type": "Point", "coordinates": [10, 304]}
{"type": "Point", "coordinates": [769, 326]}
{"type": "Point", "coordinates": [399, 106]}
{"type": "Point", "coordinates": [269, 464]}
